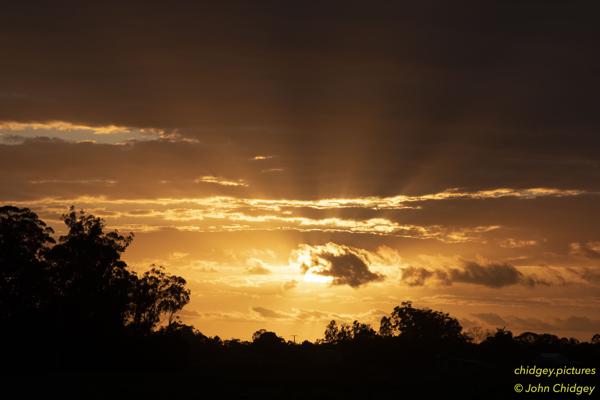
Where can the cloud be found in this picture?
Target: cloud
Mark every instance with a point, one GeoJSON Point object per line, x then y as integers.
{"type": "Point", "coordinates": [268, 170]}
{"type": "Point", "coordinates": [227, 213]}
{"type": "Point", "coordinates": [61, 126]}
{"type": "Point", "coordinates": [416, 276]}
{"type": "Point", "coordinates": [268, 313]}
{"type": "Point", "coordinates": [512, 243]}
{"type": "Point", "coordinates": [372, 316]}
{"type": "Point", "coordinates": [493, 275]}
{"type": "Point", "coordinates": [491, 319]}
{"type": "Point", "coordinates": [578, 323]}
{"type": "Point", "coordinates": [585, 249]}
{"type": "Point", "coordinates": [220, 181]}
{"type": "Point", "coordinates": [590, 275]}
{"type": "Point", "coordinates": [346, 265]}
{"type": "Point", "coordinates": [189, 313]}
{"type": "Point", "coordinates": [257, 267]}
{"type": "Point", "coordinates": [289, 285]}
{"type": "Point", "coordinates": [107, 182]}
{"type": "Point", "coordinates": [14, 132]}
{"type": "Point", "coordinates": [230, 316]}
{"type": "Point", "coordinates": [402, 201]}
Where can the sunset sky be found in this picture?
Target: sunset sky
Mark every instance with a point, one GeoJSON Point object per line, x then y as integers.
{"type": "Point", "coordinates": [299, 162]}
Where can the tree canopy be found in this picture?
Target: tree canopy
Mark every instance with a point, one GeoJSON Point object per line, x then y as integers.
{"type": "Point", "coordinates": [421, 324]}
{"type": "Point", "coordinates": [79, 284]}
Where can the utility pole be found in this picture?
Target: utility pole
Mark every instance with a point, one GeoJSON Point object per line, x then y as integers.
{"type": "Point", "coordinates": [294, 337]}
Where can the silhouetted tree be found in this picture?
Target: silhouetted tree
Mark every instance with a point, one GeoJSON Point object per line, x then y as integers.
{"type": "Point", "coordinates": [418, 324]}
{"type": "Point", "coordinates": [337, 334]}
{"type": "Point", "coordinates": [385, 327]}
{"type": "Point", "coordinates": [342, 333]}
{"type": "Point", "coordinates": [266, 339]}
{"type": "Point", "coordinates": [362, 332]}
{"type": "Point", "coordinates": [596, 338]}
{"type": "Point", "coordinates": [477, 334]}
{"type": "Point", "coordinates": [331, 332]}
{"type": "Point", "coordinates": [570, 341]}
{"type": "Point", "coordinates": [155, 294]}
{"type": "Point", "coordinates": [79, 286]}
{"type": "Point", "coordinates": [92, 284]}
{"type": "Point", "coordinates": [528, 338]}
{"type": "Point", "coordinates": [180, 330]}
{"type": "Point", "coordinates": [23, 273]}
{"type": "Point", "coordinates": [501, 339]}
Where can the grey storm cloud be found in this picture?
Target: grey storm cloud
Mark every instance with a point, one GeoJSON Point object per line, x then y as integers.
{"type": "Point", "coordinates": [493, 275]}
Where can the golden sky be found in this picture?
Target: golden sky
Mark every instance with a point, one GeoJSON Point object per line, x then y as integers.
{"type": "Point", "coordinates": [298, 164]}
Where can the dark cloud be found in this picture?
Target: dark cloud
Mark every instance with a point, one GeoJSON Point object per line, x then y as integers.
{"type": "Point", "coordinates": [493, 275]}
{"type": "Point", "coordinates": [346, 265]}
{"type": "Point", "coordinates": [349, 269]}
{"type": "Point", "coordinates": [416, 276]}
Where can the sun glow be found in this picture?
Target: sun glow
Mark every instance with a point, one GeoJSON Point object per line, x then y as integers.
{"type": "Point", "coordinates": [316, 278]}
{"type": "Point", "coordinates": [302, 261]}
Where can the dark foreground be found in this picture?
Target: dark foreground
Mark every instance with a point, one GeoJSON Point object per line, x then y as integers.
{"type": "Point", "coordinates": [184, 368]}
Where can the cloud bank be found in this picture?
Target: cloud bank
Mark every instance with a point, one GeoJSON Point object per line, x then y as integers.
{"type": "Point", "coordinates": [492, 275]}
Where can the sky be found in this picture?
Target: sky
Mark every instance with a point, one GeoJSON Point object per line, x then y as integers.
{"type": "Point", "coordinates": [299, 162]}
